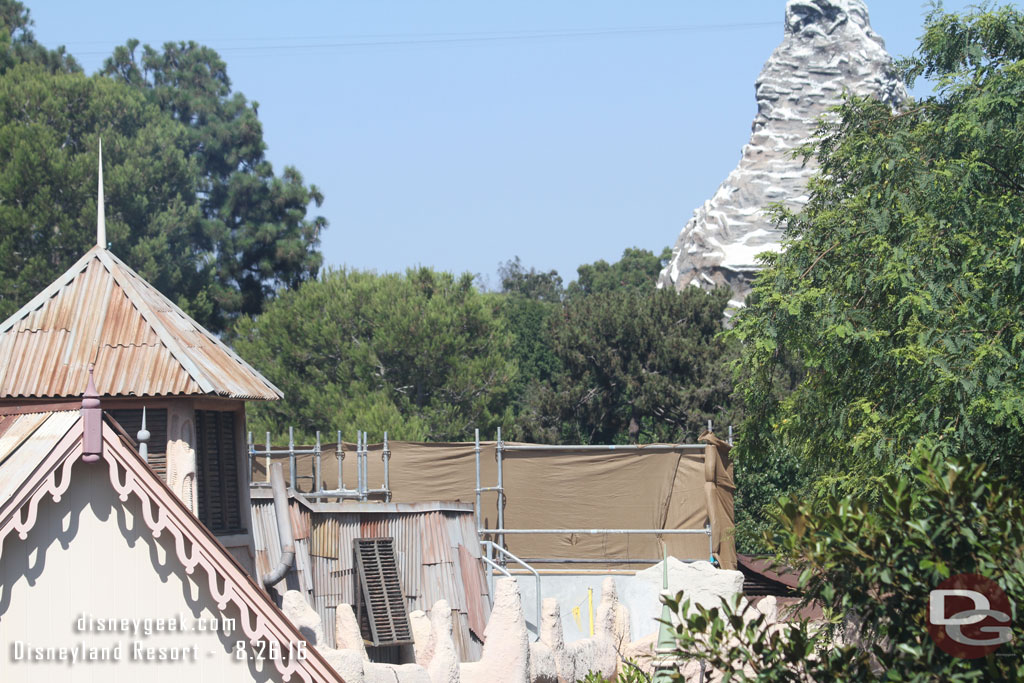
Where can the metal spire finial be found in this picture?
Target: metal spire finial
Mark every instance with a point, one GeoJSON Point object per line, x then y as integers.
{"type": "Point", "coordinates": [143, 438]}
{"type": "Point", "coordinates": [101, 218]}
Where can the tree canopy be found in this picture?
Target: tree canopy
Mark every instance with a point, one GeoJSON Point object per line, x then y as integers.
{"type": "Point", "coordinates": [192, 203]}
{"type": "Point", "coordinates": [423, 356]}
{"type": "Point", "coordinates": [637, 268]}
{"type": "Point", "coordinates": [871, 567]}
{"type": "Point", "coordinates": [50, 125]}
{"type": "Point", "coordinates": [255, 231]}
{"type": "Point", "coordinates": [18, 44]}
{"type": "Point", "coordinates": [634, 365]}
{"type": "Point", "coordinates": [900, 294]}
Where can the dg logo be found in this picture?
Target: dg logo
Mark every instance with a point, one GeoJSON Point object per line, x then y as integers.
{"type": "Point", "coordinates": [969, 616]}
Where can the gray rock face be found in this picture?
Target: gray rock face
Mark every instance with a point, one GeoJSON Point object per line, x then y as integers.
{"type": "Point", "coordinates": [828, 48]}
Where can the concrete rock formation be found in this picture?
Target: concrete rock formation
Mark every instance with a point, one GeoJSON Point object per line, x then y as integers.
{"type": "Point", "coordinates": [612, 620]}
{"type": "Point", "coordinates": [575, 660]}
{"type": "Point", "coordinates": [304, 617]}
{"type": "Point", "coordinates": [828, 47]}
{"type": "Point", "coordinates": [444, 662]}
{"type": "Point", "coordinates": [422, 637]}
{"type": "Point", "coordinates": [347, 635]}
{"type": "Point", "coordinates": [506, 652]}
{"type": "Point", "coordinates": [700, 582]}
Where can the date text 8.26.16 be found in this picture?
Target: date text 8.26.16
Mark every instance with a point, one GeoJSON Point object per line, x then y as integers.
{"type": "Point", "coordinates": [263, 649]}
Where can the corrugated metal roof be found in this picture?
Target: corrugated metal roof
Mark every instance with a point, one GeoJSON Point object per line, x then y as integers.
{"type": "Point", "coordinates": [436, 548]}
{"type": "Point", "coordinates": [25, 440]}
{"type": "Point", "coordinates": [102, 312]}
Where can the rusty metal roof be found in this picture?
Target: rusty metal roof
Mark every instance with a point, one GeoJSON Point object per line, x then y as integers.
{"type": "Point", "coordinates": [102, 312]}
{"type": "Point", "coordinates": [25, 440]}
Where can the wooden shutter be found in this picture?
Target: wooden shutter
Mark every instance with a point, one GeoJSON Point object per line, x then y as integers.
{"type": "Point", "coordinates": [156, 424]}
{"type": "Point", "coordinates": [217, 472]}
{"type": "Point", "coordinates": [380, 601]}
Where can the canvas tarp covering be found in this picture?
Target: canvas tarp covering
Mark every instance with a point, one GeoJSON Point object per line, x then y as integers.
{"type": "Point", "coordinates": [641, 487]}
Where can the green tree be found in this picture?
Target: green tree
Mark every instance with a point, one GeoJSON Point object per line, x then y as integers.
{"type": "Point", "coordinates": [50, 125]}
{"type": "Point", "coordinates": [531, 284]}
{"type": "Point", "coordinates": [423, 356]}
{"type": "Point", "coordinates": [18, 45]}
{"type": "Point", "coordinates": [255, 230]}
{"type": "Point", "coordinates": [901, 290]}
{"type": "Point", "coordinates": [871, 563]}
{"type": "Point", "coordinates": [640, 364]}
{"type": "Point", "coordinates": [637, 268]}
{"type": "Point", "coordinates": [528, 300]}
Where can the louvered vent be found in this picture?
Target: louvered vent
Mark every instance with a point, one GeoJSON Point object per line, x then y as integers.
{"type": "Point", "coordinates": [217, 472]}
{"type": "Point", "coordinates": [381, 607]}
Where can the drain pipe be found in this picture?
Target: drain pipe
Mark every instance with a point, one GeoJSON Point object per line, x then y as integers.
{"type": "Point", "coordinates": [284, 527]}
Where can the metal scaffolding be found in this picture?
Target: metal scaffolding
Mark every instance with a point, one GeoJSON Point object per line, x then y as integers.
{"type": "Point", "coordinates": [362, 491]}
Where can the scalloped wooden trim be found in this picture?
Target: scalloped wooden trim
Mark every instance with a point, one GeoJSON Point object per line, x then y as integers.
{"type": "Point", "coordinates": [160, 515]}
{"type": "Point", "coordinates": [222, 587]}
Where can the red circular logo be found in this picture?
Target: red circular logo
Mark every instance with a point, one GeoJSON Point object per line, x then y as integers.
{"type": "Point", "coordinates": [969, 616]}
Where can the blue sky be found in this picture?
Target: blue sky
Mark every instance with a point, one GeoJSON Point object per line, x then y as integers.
{"type": "Point", "coordinates": [460, 134]}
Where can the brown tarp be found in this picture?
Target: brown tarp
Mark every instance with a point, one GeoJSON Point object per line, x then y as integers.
{"type": "Point", "coordinates": [631, 487]}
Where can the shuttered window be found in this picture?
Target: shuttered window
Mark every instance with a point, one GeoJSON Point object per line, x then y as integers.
{"type": "Point", "coordinates": [217, 472]}
{"type": "Point", "coordinates": [156, 424]}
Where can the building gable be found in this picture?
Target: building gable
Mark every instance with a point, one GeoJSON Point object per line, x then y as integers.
{"type": "Point", "coordinates": [100, 312]}
{"type": "Point", "coordinates": [108, 539]}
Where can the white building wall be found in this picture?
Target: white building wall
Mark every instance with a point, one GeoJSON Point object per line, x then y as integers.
{"type": "Point", "coordinates": [90, 555]}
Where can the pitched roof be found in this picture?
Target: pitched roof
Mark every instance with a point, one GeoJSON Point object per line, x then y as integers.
{"type": "Point", "coordinates": [37, 454]}
{"type": "Point", "coordinates": [102, 312]}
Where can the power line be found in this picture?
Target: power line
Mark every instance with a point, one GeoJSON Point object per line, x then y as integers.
{"type": "Point", "coordinates": [371, 41]}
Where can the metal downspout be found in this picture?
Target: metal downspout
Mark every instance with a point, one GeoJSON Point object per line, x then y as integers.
{"type": "Point", "coordinates": [284, 527]}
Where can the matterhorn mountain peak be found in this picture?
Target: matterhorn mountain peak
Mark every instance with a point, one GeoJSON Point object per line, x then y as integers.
{"type": "Point", "coordinates": [828, 48]}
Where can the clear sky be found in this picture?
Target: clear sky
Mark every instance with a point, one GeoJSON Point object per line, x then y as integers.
{"type": "Point", "coordinates": [460, 134]}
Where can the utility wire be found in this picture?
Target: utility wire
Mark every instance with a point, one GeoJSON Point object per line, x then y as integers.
{"type": "Point", "coordinates": [454, 39]}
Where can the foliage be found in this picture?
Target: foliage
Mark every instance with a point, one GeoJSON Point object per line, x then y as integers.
{"type": "Point", "coordinates": [871, 565]}
{"type": "Point", "coordinates": [422, 356]}
{"type": "Point", "coordinates": [629, 673]}
{"type": "Point", "coordinates": [530, 284]}
{"type": "Point", "coordinates": [18, 44]}
{"type": "Point", "coordinates": [637, 268]}
{"type": "Point", "coordinates": [528, 300]}
{"type": "Point", "coordinates": [640, 364]}
{"type": "Point", "coordinates": [50, 125]}
{"type": "Point", "coordinates": [255, 232]}
{"type": "Point", "coordinates": [901, 291]}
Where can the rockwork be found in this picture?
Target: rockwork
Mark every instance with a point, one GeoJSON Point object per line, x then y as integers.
{"type": "Point", "coordinates": [828, 48]}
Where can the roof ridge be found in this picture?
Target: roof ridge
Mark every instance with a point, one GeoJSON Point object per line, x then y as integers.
{"type": "Point", "coordinates": [140, 281]}
{"type": "Point", "coordinates": [190, 357]}
{"type": "Point", "coordinates": [112, 264]}
{"type": "Point", "coordinates": [50, 290]}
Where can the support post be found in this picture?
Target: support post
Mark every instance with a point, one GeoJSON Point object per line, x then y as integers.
{"type": "Point", "coordinates": [501, 492]}
{"type": "Point", "coordinates": [317, 487]}
{"type": "Point", "coordinates": [267, 458]}
{"type": "Point", "coordinates": [361, 463]}
{"type": "Point", "coordinates": [340, 456]}
{"type": "Point", "coordinates": [476, 451]}
{"type": "Point", "coordinates": [386, 455]}
{"type": "Point", "coordinates": [291, 456]}
{"type": "Point", "coordinates": [490, 573]}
